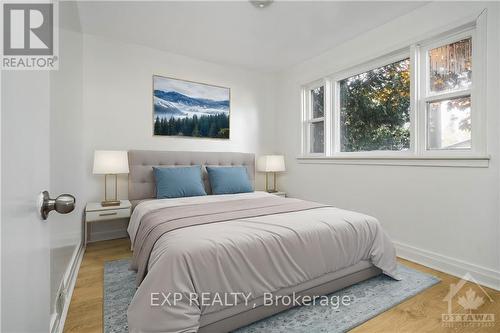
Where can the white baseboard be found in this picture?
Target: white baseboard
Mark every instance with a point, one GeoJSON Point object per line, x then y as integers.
{"type": "Point", "coordinates": [68, 285]}
{"type": "Point", "coordinates": [485, 276]}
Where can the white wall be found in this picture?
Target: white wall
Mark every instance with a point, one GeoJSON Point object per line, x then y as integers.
{"type": "Point", "coordinates": [117, 104]}
{"type": "Point", "coordinates": [444, 217]}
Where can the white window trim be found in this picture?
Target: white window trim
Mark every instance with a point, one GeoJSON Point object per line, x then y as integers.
{"type": "Point", "coordinates": [417, 155]}
{"type": "Point", "coordinates": [307, 118]}
{"type": "Point", "coordinates": [401, 160]}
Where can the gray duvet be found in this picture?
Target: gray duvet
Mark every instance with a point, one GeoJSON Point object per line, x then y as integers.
{"type": "Point", "coordinates": [198, 258]}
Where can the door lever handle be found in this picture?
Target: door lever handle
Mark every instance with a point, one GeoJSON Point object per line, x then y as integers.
{"type": "Point", "coordinates": [63, 204]}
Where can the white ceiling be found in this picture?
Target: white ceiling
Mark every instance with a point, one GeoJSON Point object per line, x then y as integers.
{"type": "Point", "coordinates": [237, 33]}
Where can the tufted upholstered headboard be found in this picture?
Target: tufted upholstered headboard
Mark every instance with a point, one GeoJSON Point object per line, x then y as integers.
{"type": "Point", "coordinates": [141, 162]}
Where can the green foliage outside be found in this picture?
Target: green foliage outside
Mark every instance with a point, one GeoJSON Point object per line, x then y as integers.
{"type": "Point", "coordinates": [375, 109]}
{"type": "Point", "coordinates": [212, 126]}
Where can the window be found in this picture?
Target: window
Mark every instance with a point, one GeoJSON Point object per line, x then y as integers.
{"type": "Point", "coordinates": [449, 124]}
{"type": "Point", "coordinates": [315, 119]}
{"type": "Point", "coordinates": [418, 102]}
{"type": "Point", "coordinates": [448, 96]}
{"type": "Point", "coordinates": [450, 66]}
{"type": "Point", "coordinates": [375, 109]}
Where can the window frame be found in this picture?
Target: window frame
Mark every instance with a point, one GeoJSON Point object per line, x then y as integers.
{"type": "Point", "coordinates": [419, 77]}
{"type": "Point", "coordinates": [308, 119]}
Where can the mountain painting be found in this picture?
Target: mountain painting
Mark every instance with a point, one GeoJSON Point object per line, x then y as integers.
{"type": "Point", "coordinates": [184, 108]}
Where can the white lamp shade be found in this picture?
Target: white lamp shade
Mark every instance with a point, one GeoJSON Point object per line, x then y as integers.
{"type": "Point", "coordinates": [271, 163]}
{"type": "Point", "coordinates": [110, 162]}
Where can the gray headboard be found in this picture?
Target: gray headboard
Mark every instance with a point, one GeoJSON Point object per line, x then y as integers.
{"type": "Point", "coordinates": [141, 162]}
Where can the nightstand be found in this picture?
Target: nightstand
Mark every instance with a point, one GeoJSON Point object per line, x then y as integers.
{"type": "Point", "coordinates": [279, 194]}
{"type": "Point", "coordinates": [95, 212]}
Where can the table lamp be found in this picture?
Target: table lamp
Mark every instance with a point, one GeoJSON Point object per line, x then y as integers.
{"type": "Point", "coordinates": [268, 164]}
{"type": "Point", "coordinates": [110, 163]}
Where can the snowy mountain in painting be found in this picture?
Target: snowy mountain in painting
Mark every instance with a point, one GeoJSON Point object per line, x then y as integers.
{"type": "Point", "coordinates": [168, 104]}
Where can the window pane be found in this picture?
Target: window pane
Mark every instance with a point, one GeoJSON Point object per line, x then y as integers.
{"type": "Point", "coordinates": [318, 137]}
{"type": "Point", "coordinates": [449, 124]}
{"type": "Point", "coordinates": [375, 109]}
{"type": "Point", "coordinates": [318, 102]}
{"type": "Point", "coordinates": [450, 66]}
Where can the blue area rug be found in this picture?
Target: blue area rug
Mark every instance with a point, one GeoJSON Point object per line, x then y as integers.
{"type": "Point", "coordinates": [367, 300]}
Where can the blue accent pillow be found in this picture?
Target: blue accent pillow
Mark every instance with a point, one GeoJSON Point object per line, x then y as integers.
{"type": "Point", "coordinates": [178, 182]}
{"type": "Point", "coordinates": [229, 180]}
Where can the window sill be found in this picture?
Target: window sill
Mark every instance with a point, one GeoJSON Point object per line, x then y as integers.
{"type": "Point", "coordinates": [481, 161]}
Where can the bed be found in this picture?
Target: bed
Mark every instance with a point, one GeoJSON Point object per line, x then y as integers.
{"type": "Point", "coordinates": [237, 250]}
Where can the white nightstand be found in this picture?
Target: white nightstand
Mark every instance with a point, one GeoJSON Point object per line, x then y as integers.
{"type": "Point", "coordinates": [280, 194]}
{"type": "Point", "coordinates": [95, 212]}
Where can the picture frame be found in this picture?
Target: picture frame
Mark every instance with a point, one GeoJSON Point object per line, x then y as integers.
{"type": "Point", "coordinates": [189, 109]}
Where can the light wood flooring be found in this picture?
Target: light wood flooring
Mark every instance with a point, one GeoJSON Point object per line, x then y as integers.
{"type": "Point", "coordinates": [421, 313]}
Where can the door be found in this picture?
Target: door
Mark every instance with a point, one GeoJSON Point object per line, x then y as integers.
{"type": "Point", "coordinates": [41, 149]}
{"type": "Point", "coordinates": [25, 172]}
{"type": "Point", "coordinates": [39, 152]}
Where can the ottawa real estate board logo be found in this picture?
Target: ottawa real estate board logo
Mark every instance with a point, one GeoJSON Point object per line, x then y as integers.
{"type": "Point", "coordinates": [467, 304]}
{"type": "Point", "coordinates": [29, 39]}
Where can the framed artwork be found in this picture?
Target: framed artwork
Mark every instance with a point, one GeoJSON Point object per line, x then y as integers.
{"type": "Point", "coordinates": [190, 109]}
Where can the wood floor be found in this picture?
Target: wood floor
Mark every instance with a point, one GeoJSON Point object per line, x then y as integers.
{"type": "Point", "coordinates": [421, 313]}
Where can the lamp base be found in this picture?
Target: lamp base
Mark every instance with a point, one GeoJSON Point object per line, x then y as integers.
{"type": "Point", "coordinates": [274, 188]}
{"type": "Point", "coordinates": [107, 203]}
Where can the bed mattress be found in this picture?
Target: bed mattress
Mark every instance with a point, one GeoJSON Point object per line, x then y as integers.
{"type": "Point", "coordinates": [247, 258]}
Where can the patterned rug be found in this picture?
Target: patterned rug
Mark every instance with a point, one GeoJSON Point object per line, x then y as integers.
{"type": "Point", "coordinates": [367, 300]}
